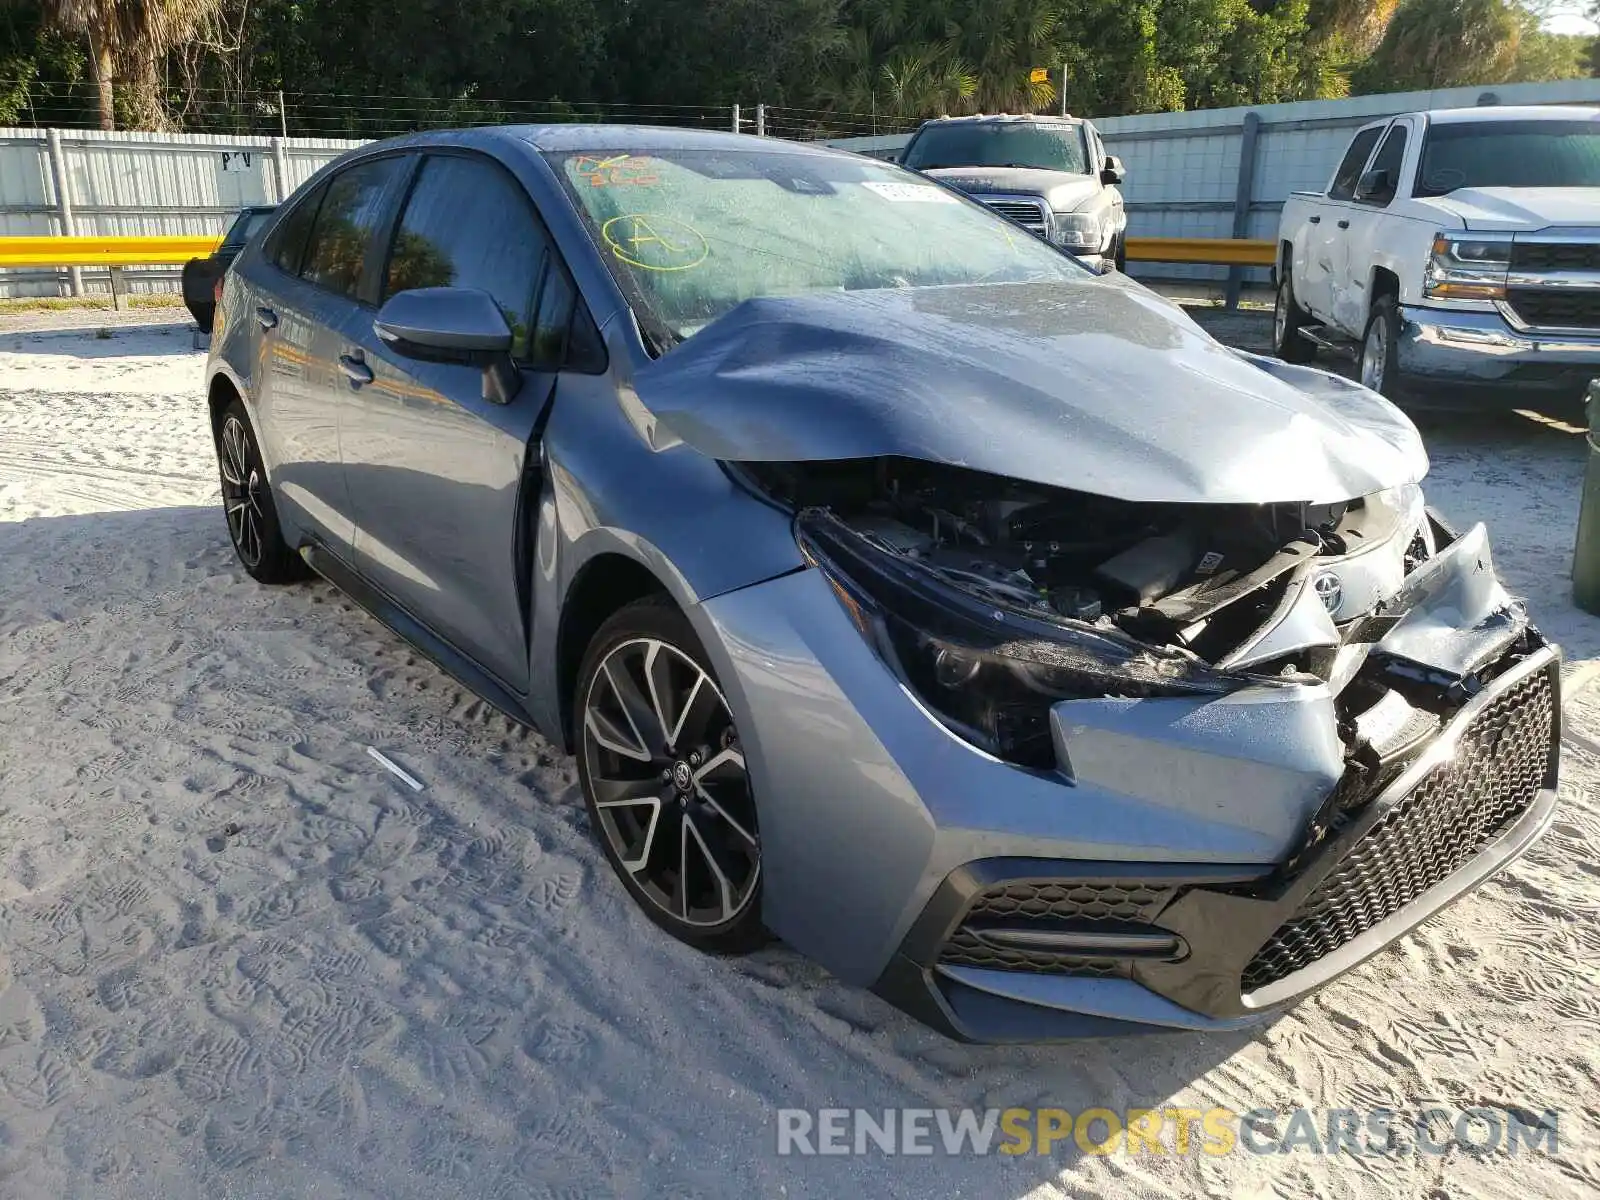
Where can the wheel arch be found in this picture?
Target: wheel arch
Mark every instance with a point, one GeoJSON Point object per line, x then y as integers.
{"type": "Point", "coordinates": [220, 392]}
{"type": "Point", "coordinates": [1383, 282]}
{"type": "Point", "coordinates": [604, 584]}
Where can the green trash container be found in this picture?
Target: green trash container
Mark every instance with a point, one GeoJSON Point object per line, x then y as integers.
{"type": "Point", "coordinates": [1586, 556]}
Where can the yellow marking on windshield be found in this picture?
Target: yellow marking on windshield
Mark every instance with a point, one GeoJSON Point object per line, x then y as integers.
{"type": "Point", "coordinates": [618, 170]}
{"type": "Point", "coordinates": [655, 243]}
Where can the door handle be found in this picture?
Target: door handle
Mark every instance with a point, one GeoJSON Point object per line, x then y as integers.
{"type": "Point", "coordinates": [357, 371]}
{"type": "Point", "coordinates": [1316, 220]}
{"type": "Point", "coordinates": [266, 318]}
{"type": "Point", "coordinates": [1344, 224]}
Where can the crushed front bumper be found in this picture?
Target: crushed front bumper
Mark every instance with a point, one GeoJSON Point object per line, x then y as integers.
{"type": "Point", "coordinates": [1481, 350]}
{"type": "Point", "coordinates": [1187, 846]}
{"type": "Point", "coordinates": [1027, 950]}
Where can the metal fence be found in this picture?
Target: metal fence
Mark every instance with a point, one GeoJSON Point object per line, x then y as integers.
{"type": "Point", "coordinates": [1218, 173]}
{"type": "Point", "coordinates": [86, 182]}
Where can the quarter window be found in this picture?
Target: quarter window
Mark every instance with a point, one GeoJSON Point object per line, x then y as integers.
{"type": "Point", "coordinates": [469, 224]}
{"type": "Point", "coordinates": [336, 254]}
{"type": "Point", "coordinates": [1349, 172]}
{"type": "Point", "coordinates": [289, 238]}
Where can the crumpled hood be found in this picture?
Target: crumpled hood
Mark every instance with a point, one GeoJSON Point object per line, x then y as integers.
{"type": "Point", "coordinates": [1101, 386]}
{"type": "Point", "coordinates": [1063, 192]}
{"type": "Point", "coordinates": [1520, 208]}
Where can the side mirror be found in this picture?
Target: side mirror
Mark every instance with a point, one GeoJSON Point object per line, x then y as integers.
{"type": "Point", "coordinates": [1112, 173]}
{"type": "Point", "coordinates": [455, 325]}
{"type": "Point", "coordinates": [1374, 185]}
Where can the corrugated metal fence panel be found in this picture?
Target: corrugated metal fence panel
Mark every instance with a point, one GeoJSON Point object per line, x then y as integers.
{"type": "Point", "coordinates": [142, 184]}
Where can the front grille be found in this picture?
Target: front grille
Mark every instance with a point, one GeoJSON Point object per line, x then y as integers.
{"type": "Point", "coordinates": [1068, 901]}
{"type": "Point", "coordinates": [1556, 308]}
{"type": "Point", "coordinates": [1087, 906]}
{"type": "Point", "coordinates": [1028, 213]}
{"type": "Point", "coordinates": [964, 949]}
{"type": "Point", "coordinates": [1456, 810]}
{"type": "Point", "coordinates": [1555, 256]}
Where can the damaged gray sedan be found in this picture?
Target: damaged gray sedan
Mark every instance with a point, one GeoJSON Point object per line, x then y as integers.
{"type": "Point", "coordinates": [973, 623]}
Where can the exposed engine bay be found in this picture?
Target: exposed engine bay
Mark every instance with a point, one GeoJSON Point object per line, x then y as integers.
{"type": "Point", "coordinates": [1202, 579]}
{"type": "Point", "coordinates": [994, 599]}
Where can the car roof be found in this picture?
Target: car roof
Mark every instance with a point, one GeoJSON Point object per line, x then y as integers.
{"type": "Point", "coordinates": [634, 139]}
{"type": "Point", "coordinates": [1521, 112]}
{"type": "Point", "coordinates": [1004, 119]}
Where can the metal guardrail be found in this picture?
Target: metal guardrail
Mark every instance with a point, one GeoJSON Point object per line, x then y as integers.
{"type": "Point", "coordinates": [1225, 252]}
{"type": "Point", "coordinates": [153, 251]}
{"type": "Point", "coordinates": [102, 251]}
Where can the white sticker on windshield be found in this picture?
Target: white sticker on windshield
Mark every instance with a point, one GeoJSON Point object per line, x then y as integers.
{"type": "Point", "coordinates": [911, 193]}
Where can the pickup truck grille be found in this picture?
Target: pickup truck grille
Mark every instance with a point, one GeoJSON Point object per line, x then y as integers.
{"type": "Point", "coordinates": [1556, 308]}
{"type": "Point", "coordinates": [1028, 213]}
{"type": "Point", "coordinates": [1555, 256]}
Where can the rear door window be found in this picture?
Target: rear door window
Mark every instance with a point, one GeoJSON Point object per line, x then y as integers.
{"type": "Point", "coordinates": [336, 253]}
{"type": "Point", "coordinates": [1349, 172]}
{"type": "Point", "coordinates": [469, 224]}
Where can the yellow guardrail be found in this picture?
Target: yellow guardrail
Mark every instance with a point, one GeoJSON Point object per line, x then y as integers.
{"type": "Point", "coordinates": [102, 251]}
{"type": "Point", "coordinates": [1226, 252]}
{"type": "Point", "coordinates": [153, 251]}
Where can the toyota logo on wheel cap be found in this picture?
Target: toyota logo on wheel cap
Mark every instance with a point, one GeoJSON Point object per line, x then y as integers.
{"type": "Point", "coordinates": [1329, 589]}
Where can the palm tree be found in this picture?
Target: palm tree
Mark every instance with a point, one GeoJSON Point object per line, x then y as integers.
{"type": "Point", "coordinates": [130, 32]}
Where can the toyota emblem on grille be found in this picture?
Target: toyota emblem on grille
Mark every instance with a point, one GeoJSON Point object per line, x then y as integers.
{"type": "Point", "coordinates": [1329, 589]}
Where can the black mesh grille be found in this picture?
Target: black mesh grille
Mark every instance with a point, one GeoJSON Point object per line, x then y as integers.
{"type": "Point", "coordinates": [964, 949]}
{"type": "Point", "coordinates": [1553, 308]}
{"type": "Point", "coordinates": [1084, 905]}
{"type": "Point", "coordinates": [1555, 256]}
{"type": "Point", "coordinates": [1067, 901]}
{"type": "Point", "coordinates": [1456, 810]}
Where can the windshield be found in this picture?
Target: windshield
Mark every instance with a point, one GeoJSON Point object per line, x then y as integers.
{"type": "Point", "coordinates": [689, 234]}
{"type": "Point", "coordinates": [971, 144]}
{"type": "Point", "coordinates": [1519, 154]}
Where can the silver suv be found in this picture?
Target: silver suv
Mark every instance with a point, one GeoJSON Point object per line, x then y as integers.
{"type": "Point", "coordinates": [1050, 174]}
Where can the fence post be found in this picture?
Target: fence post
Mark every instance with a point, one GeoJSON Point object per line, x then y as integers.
{"type": "Point", "coordinates": [761, 120]}
{"type": "Point", "coordinates": [63, 186]}
{"type": "Point", "coordinates": [280, 170]}
{"type": "Point", "coordinates": [736, 118]}
{"type": "Point", "coordinates": [1243, 192]}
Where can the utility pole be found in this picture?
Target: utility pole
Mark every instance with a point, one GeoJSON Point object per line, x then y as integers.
{"type": "Point", "coordinates": [736, 118]}
{"type": "Point", "coordinates": [1063, 89]}
{"type": "Point", "coordinates": [283, 117]}
{"type": "Point", "coordinates": [761, 120]}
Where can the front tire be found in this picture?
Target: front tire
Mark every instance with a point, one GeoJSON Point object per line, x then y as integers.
{"type": "Point", "coordinates": [247, 502]}
{"type": "Point", "coordinates": [1288, 319]}
{"type": "Point", "coordinates": [664, 779]}
{"type": "Point", "coordinates": [1380, 367]}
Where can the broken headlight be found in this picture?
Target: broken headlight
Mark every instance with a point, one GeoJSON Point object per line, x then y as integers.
{"type": "Point", "coordinates": [988, 670]}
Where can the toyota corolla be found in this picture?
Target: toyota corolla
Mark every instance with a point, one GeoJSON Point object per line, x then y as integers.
{"type": "Point", "coordinates": [974, 624]}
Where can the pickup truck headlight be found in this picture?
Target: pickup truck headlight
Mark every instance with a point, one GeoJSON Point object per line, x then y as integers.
{"type": "Point", "coordinates": [1078, 231]}
{"type": "Point", "coordinates": [989, 671]}
{"type": "Point", "coordinates": [1467, 267]}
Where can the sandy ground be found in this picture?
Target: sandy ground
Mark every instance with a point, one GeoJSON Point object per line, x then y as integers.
{"type": "Point", "coordinates": [238, 959]}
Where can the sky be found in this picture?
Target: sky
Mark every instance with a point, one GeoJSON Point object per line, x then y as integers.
{"type": "Point", "coordinates": [1569, 18]}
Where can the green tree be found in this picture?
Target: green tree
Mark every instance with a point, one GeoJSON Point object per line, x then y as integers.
{"type": "Point", "coordinates": [135, 34]}
{"type": "Point", "coordinates": [1445, 43]}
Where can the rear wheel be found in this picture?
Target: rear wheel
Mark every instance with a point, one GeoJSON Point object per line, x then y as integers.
{"type": "Point", "coordinates": [1288, 319]}
{"type": "Point", "coordinates": [664, 779]}
{"type": "Point", "coordinates": [1120, 257]}
{"type": "Point", "coordinates": [247, 502]}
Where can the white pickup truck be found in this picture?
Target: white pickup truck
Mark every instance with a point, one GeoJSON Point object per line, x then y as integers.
{"type": "Point", "coordinates": [1458, 249]}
